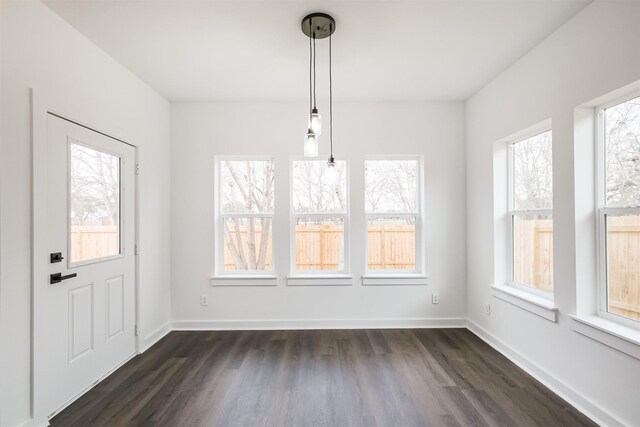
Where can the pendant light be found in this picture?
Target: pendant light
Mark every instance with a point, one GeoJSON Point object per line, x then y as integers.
{"type": "Point", "coordinates": [315, 120]}
{"type": "Point", "coordinates": [315, 26]}
{"type": "Point", "coordinates": [311, 137]}
{"type": "Point", "coordinates": [310, 144]}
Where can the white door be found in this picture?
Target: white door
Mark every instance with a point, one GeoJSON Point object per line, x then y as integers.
{"type": "Point", "coordinates": [88, 302]}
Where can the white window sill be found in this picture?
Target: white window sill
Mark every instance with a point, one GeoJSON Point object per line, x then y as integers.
{"type": "Point", "coordinates": [535, 304]}
{"type": "Point", "coordinates": [612, 334]}
{"type": "Point", "coordinates": [394, 279]}
{"type": "Point", "coordinates": [320, 280]}
{"type": "Point", "coordinates": [245, 280]}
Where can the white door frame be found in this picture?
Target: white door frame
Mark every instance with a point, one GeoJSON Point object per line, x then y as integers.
{"type": "Point", "coordinates": [41, 106]}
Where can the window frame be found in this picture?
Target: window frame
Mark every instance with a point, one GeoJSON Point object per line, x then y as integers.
{"type": "Point", "coordinates": [512, 212]}
{"type": "Point", "coordinates": [601, 212]}
{"type": "Point", "coordinates": [219, 217]}
{"type": "Point", "coordinates": [294, 216]}
{"type": "Point", "coordinates": [420, 228]}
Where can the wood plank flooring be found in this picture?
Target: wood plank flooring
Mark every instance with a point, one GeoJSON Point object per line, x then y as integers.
{"type": "Point", "coordinates": [419, 377]}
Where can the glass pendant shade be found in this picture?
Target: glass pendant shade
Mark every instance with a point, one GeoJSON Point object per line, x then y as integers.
{"type": "Point", "coordinates": [332, 173]}
{"type": "Point", "coordinates": [310, 144]}
{"type": "Point", "coordinates": [315, 122]}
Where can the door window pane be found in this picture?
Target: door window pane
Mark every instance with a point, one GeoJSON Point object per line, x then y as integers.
{"type": "Point", "coordinates": [320, 244]}
{"type": "Point", "coordinates": [391, 243]}
{"type": "Point", "coordinates": [533, 251]}
{"type": "Point", "coordinates": [623, 265]}
{"type": "Point", "coordinates": [94, 204]}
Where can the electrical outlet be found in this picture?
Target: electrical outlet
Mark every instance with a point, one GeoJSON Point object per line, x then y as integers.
{"type": "Point", "coordinates": [435, 299]}
{"type": "Point", "coordinates": [487, 309]}
{"type": "Point", "coordinates": [204, 300]}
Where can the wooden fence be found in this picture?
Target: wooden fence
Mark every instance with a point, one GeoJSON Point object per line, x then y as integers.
{"type": "Point", "coordinates": [623, 255]}
{"type": "Point", "coordinates": [319, 247]}
{"type": "Point", "coordinates": [533, 255]}
{"type": "Point", "coordinates": [89, 242]}
{"type": "Point", "coordinates": [392, 247]}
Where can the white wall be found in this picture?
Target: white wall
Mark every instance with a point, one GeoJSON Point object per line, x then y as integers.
{"type": "Point", "coordinates": [595, 53]}
{"type": "Point", "coordinates": [201, 131]}
{"type": "Point", "coordinates": [42, 51]}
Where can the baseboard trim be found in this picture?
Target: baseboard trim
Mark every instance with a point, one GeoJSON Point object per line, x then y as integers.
{"type": "Point", "coordinates": [155, 336]}
{"type": "Point", "coordinates": [581, 403]}
{"type": "Point", "coordinates": [35, 423]}
{"type": "Point", "coordinates": [297, 324]}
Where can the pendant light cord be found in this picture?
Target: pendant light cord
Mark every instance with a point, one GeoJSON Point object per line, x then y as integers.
{"type": "Point", "coordinates": [330, 96]}
{"type": "Point", "coordinates": [314, 69]}
{"type": "Point", "coordinates": [310, 75]}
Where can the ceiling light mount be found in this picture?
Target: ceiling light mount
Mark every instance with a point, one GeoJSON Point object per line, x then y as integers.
{"type": "Point", "coordinates": [323, 25]}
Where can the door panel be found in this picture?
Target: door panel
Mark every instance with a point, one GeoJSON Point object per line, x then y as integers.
{"type": "Point", "coordinates": [115, 306]}
{"type": "Point", "coordinates": [89, 318]}
{"type": "Point", "coordinates": [80, 321]}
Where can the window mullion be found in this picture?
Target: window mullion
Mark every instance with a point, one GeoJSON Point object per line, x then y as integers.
{"type": "Point", "coordinates": [392, 215]}
{"type": "Point", "coordinates": [246, 215]}
{"type": "Point", "coordinates": [621, 211]}
{"type": "Point", "coordinates": [531, 212]}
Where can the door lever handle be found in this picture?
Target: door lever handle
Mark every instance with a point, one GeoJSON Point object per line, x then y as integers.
{"type": "Point", "coordinates": [58, 277]}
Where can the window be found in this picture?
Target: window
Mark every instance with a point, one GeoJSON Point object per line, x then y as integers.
{"type": "Point", "coordinates": [531, 213]}
{"type": "Point", "coordinates": [94, 205]}
{"type": "Point", "coordinates": [319, 217]}
{"type": "Point", "coordinates": [619, 209]}
{"type": "Point", "coordinates": [245, 208]}
{"type": "Point", "coordinates": [393, 214]}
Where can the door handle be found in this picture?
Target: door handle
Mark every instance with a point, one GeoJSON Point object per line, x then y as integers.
{"type": "Point", "coordinates": [58, 277]}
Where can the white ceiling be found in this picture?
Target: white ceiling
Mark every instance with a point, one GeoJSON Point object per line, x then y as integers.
{"type": "Point", "coordinates": [255, 50]}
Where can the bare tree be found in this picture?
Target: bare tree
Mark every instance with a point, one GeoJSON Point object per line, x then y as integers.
{"type": "Point", "coordinates": [314, 193]}
{"type": "Point", "coordinates": [95, 186]}
{"type": "Point", "coordinates": [249, 191]}
{"type": "Point", "coordinates": [533, 173]}
{"type": "Point", "coordinates": [623, 154]}
{"type": "Point", "coordinates": [392, 187]}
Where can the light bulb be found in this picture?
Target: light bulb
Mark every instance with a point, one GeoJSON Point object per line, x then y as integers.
{"type": "Point", "coordinates": [310, 144]}
{"type": "Point", "coordinates": [315, 122]}
{"type": "Point", "coordinates": [332, 173]}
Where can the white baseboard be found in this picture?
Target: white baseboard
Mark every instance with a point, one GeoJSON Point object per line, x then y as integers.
{"type": "Point", "coordinates": [35, 423]}
{"type": "Point", "coordinates": [581, 403]}
{"type": "Point", "coordinates": [297, 324]}
{"type": "Point", "coordinates": [155, 336]}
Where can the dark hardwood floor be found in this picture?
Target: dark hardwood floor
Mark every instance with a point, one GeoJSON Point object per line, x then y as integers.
{"type": "Point", "coordinates": [421, 377]}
